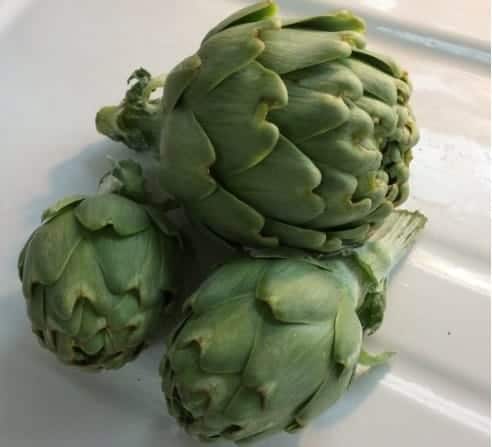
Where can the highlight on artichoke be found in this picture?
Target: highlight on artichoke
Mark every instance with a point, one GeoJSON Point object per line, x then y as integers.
{"type": "Point", "coordinates": [278, 132]}
{"type": "Point", "coordinates": [98, 272]}
{"type": "Point", "coordinates": [271, 341]}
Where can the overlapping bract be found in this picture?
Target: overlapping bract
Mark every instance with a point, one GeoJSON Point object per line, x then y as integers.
{"type": "Point", "coordinates": [96, 275]}
{"type": "Point", "coordinates": [288, 133]}
{"type": "Point", "coordinates": [270, 342]}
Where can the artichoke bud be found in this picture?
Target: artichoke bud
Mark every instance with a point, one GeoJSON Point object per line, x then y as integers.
{"type": "Point", "coordinates": [98, 272]}
{"type": "Point", "coordinates": [268, 133]}
{"type": "Point", "coordinates": [268, 344]}
{"type": "Point", "coordinates": [272, 340]}
{"type": "Point", "coordinates": [275, 137]}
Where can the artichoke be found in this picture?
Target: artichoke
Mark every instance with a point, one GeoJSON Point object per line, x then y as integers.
{"type": "Point", "coordinates": [97, 273]}
{"type": "Point", "coordinates": [278, 132]}
{"type": "Point", "coordinates": [270, 342]}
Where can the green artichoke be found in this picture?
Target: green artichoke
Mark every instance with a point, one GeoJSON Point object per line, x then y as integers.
{"type": "Point", "coordinates": [269, 343]}
{"type": "Point", "coordinates": [278, 132]}
{"type": "Point", "coordinates": [97, 273]}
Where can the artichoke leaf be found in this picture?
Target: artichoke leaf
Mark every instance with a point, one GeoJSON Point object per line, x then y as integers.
{"type": "Point", "coordinates": [346, 148]}
{"type": "Point", "coordinates": [61, 206]}
{"type": "Point", "coordinates": [82, 279]}
{"type": "Point", "coordinates": [375, 82]}
{"type": "Point", "coordinates": [224, 336]}
{"type": "Point", "coordinates": [228, 52]}
{"type": "Point", "coordinates": [122, 260]}
{"type": "Point", "coordinates": [290, 367]}
{"type": "Point", "coordinates": [186, 156]}
{"type": "Point", "coordinates": [123, 215]}
{"type": "Point", "coordinates": [372, 360]}
{"type": "Point", "coordinates": [309, 113]}
{"type": "Point", "coordinates": [241, 136]}
{"type": "Point", "coordinates": [380, 61]}
{"type": "Point", "coordinates": [49, 251]}
{"type": "Point", "coordinates": [328, 393]}
{"type": "Point", "coordinates": [36, 307]}
{"type": "Point", "coordinates": [289, 195]}
{"type": "Point", "coordinates": [178, 80]}
{"type": "Point", "coordinates": [122, 313]}
{"type": "Point", "coordinates": [336, 21]}
{"type": "Point", "coordinates": [337, 189]}
{"type": "Point", "coordinates": [283, 287]}
{"type": "Point", "coordinates": [239, 222]}
{"type": "Point", "coordinates": [291, 49]}
{"type": "Point", "coordinates": [348, 335]}
{"type": "Point", "coordinates": [94, 345]}
{"type": "Point", "coordinates": [332, 78]}
{"type": "Point", "coordinates": [295, 236]}
{"type": "Point", "coordinates": [234, 280]}
{"type": "Point", "coordinates": [253, 13]}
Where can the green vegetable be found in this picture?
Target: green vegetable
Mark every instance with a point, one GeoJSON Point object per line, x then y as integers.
{"type": "Point", "coordinates": [98, 271]}
{"type": "Point", "coordinates": [278, 132]}
{"type": "Point", "coordinates": [270, 342]}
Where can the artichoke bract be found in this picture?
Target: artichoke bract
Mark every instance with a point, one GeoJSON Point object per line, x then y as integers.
{"type": "Point", "coordinates": [277, 132]}
{"type": "Point", "coordinates": [97, 273]}
{"type": "Point", "coordinates": [270, 342]}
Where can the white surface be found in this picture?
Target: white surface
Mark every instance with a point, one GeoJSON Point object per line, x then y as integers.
{"type": "Point", "coordinates": [62, 60]}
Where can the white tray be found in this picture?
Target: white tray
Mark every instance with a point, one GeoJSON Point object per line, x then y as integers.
{"type": "Point", "coordinates": [61, 60]}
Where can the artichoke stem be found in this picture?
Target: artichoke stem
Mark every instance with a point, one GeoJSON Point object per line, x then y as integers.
{"type": "Point", "coordinates": [140, 132]}
{"type": "Point", "coordinates": [137, 120]}
{"type": "Point", "coordinates": [389, 243]}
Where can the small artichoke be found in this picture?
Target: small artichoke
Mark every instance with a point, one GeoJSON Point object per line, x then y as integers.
{"type": "Point", "coordinates": [278, 132]}
{"type": "Point", "coordinates": [269, 343]}
{"type": "Point", "coordinates": [97, 273]}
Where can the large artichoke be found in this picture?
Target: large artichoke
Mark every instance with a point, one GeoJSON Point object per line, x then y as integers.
{"type": "Point", "coordinates": [97, 273]}
{"type": "Point", "coordinates": [278, 133]}
{"type": "Point", "coordinates": [268, 344]}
